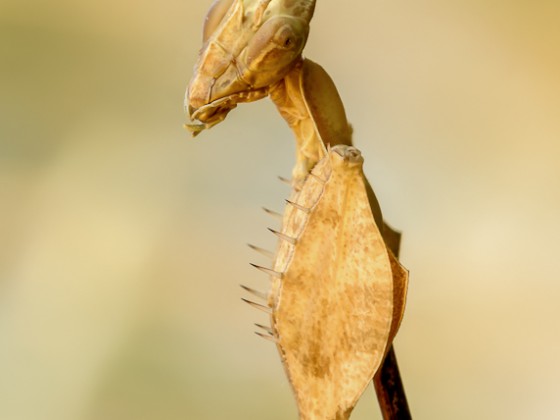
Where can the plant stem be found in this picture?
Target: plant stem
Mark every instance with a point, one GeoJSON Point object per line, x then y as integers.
{"type": "Point", "coordinates": [387, 382]}
{"type": "Point", "coordinates": [390, 391]}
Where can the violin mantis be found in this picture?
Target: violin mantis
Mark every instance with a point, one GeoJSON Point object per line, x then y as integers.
{"type": "Point", "coordinates": [338, 292]}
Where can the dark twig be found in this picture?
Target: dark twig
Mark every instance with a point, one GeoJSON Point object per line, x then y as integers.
{"type": "Point", "coordinates": [390, 391]}
{"type": "Point", "coordinates": [388, 383]}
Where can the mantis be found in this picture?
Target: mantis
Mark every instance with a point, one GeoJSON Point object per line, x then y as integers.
{"type": "Point", "coordinates": [337, 292]}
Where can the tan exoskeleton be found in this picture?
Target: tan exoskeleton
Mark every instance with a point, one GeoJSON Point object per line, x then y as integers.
{"type": "Point", "coordinates": [252, 49]}
{"type": "Point", "coordinates": [338, 291]}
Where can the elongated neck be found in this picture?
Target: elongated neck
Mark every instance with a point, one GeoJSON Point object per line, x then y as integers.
{"type": "Point", "coordinates": [309, 102]}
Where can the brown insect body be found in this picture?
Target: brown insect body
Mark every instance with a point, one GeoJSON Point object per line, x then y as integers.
{"type": "Point", "coordinates": [338, 292]}
{"type": "Point", "coordinates": [332, 308]}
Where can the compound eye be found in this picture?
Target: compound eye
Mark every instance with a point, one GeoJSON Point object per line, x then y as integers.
{"type": "Point", "coordinates": [286, 38]}
{"type": "Point", "coordinates": [214, 17]}
{"type": "Point", "coordinates": [276, 44]}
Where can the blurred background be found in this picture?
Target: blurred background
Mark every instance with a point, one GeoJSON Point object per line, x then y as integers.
{"type": "Point", "coordinates": [122, 240]}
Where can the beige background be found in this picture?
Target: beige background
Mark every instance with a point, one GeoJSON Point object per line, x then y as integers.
{"type": "Point", "coordinates": [122, 240]}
